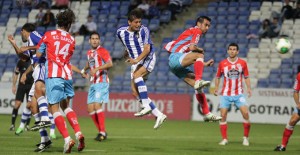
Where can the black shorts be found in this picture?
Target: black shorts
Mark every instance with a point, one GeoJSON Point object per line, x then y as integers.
{"type": "Point", "coordinates": [22, 91]}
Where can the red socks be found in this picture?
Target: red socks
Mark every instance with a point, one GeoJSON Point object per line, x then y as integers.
{"type": "Point", "coordinates": [95, 120]}
{"type": "Point", "coordinates": [223, 129]}
{"type": "Point", "coordinates": [246, 129]}
{"type": "Point", "coordinates": [203, 102]}
{"type": "Point", "coordinates": [198, 68]}
{"type": "Point", "coordinates": [60, 124]}
{"type": "Point", "coordinates": [72, 118]}
{"type": "Point", "coordinates": [101, 120]}
{"type": "Point", "coordinates": [286, 136]}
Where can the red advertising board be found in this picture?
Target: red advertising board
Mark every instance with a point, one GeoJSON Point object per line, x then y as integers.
{"type": "Point", "coordinates": [124, 105]}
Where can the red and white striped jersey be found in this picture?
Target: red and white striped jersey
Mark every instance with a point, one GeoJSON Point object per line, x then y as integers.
{"type": "Point", "coordinates": [233, 73]}
{"type": "Point", "coordinates": [60, 46]}
{"type": "Point", "coordinates": [297, 83]}
{"type": "Point", "coordinates": [185, 39]}
{"type": "Point", "coordinates": [97, 58]}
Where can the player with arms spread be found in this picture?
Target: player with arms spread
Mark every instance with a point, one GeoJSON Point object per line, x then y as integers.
{"type": "Point", "coordinates": [184, 53]}
{"type": "Point", "coordinates": [233, 69]}
{"type": "Point", "coordinates": [59, 45]}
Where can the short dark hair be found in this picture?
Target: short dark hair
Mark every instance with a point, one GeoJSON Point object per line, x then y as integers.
{"type": "Point", "coordinates": [65, 18]}
{"type": "Point", "coordinates": [233, 44]}
{"type": "Point", "coordinates": [134, 14]}
{"type": "Point", "coordinates": [94, 33]}
{"type": "Point", "coordinates": [29, 27]}
{"type": "Point", "coordinates": [200, 19]}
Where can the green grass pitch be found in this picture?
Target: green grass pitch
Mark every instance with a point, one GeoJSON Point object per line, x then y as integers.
{"type": "Point", "coordinates": [137, 137]}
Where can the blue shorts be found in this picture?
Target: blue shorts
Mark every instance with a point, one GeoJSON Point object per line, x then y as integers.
{"type": "Point", "coordinates": [58, 89]}
{"type": "Point", "coordinates": [176, 67]}
{"type": "Point", "coordinates": [98, 93]}
{"type": "Point", "coordinates": [238, 100]}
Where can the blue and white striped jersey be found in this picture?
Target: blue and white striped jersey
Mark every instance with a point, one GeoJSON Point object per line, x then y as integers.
{"type": "Point", "coordinates": [134, 41]}
{"type": "Point", "coordinates": [33, 40]}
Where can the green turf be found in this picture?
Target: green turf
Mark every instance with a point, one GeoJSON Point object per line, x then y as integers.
{"type": "Point", "coordinates": [136, 137]}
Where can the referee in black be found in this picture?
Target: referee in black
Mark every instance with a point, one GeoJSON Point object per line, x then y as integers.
{"type": "Point", "coordinates": [21, 89]}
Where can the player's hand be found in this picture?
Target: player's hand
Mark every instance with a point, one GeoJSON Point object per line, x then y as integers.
{"type": "Point", "coordinates": [23, 78]}
{"type": "Point", "coordinates": [14, 90]}
{"type": "Point", "coordinates": [209, 62]}
{"type": "Point", "coordinates": [132, 61]}
{"type": "Point", "coordinates": [23, 49]}
{"type": "Point", "coordinates": [83, 75]}
{"type": "Point", "coordinates": [11, 39]}
{"type": "Point", "coordinates": [249, 91]}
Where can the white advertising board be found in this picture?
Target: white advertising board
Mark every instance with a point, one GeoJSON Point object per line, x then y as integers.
{"type": "Point", "coordinates": [273, 106]}
{"type": "Point", "coordinates": [7, 99]}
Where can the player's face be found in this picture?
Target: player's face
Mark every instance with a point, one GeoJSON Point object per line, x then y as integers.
{"type": "Point", "coordinates": [23, 35]}
{"type": "Point", "coordinates": [232, 51]}
{"type": "Point", "coordinates": [94, 41]}
{"type": "Point", "coordinates": [135, 24]}
{"type": "Point", "coordinates": [204, 26]}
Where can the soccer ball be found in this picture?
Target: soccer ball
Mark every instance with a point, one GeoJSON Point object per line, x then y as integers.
{"type": "Point", "coordinates": [283, 45]}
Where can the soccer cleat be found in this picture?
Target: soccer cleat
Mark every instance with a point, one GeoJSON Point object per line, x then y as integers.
{"type": "Point", "coordinates": [52, 136]}
{"type": "Point", "coordinates": [43, 146]}
{"type": "Point", "coordinates": [12, 128]}
{"type": "Point", "coordinates": [224, 142]}
{"type": "Point", "coordinates": [68, 146]}
{"type": "Point", "coordinates": [49, 142]}
{"type": "Point", "coordinates": [279, 148]}
{"type": "Point", "coordinates": [100, 137]}
{"type": "Point", "coordinates": [159, 120]}
{"type": "Point", "coordinates": [80, 141]}
{"type": "Point", "coordinates": [144, 111]}
{"type": "Point", "coordinates": [27, 128]}
{"type": "Point", "coordinates": [19, 131]}
{"type": "Point", "coordinates": [245, 141]}
{"type": "Point", "coordinates": [201, 84]}
{"type": "Point", "coordinates": [41, 124]}
{"type": "Point", "coordinates": [210, 117]}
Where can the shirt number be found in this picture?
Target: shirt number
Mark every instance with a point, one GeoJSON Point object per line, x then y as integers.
{"type": "Point", "coordinates": [61, 51]}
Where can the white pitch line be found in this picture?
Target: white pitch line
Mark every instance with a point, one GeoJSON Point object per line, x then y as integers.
{"type": "Point", "coordinates": [15, 137]}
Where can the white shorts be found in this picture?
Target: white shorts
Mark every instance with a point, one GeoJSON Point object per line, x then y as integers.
{"type": "Point", "coordinates": [148, 63]}
{"type": "Point", "coordinates": [38, 75]}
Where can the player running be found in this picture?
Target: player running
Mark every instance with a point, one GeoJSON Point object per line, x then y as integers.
{"type": "Point", "coordinates": [59, 47]}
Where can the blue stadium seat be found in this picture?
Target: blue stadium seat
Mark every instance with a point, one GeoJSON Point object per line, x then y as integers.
{"type": "Point", "coordinates": [154, 25]}
{"type": "Point", "coordinates": [263, 83]}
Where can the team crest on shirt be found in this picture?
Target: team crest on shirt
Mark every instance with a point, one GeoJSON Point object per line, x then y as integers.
{"type": "Point", "coordinates": [233, 73]}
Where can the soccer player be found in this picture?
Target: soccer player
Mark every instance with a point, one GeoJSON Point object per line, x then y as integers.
{"type": "Point", "coordinates": [288, 131]}
{"type": "Point", "coordinates": [99, 61]}
{"type": "Point", "coordinates": [38, 109]}
{"type": "Point", "coordinates": [233, 69]}
{"type": "Point", "coordinates": [184, 53]}
{"type": "Point", "coordinates": [136, 39]}
{"type": "Point", "coordinates": [59, 47]}
{"type": "Point", "coordinates": [20, 91]}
